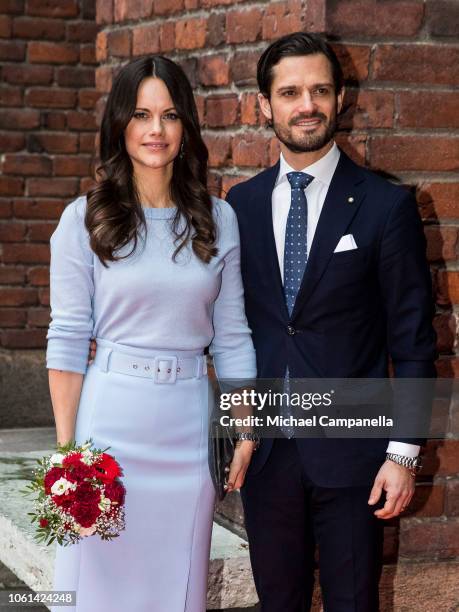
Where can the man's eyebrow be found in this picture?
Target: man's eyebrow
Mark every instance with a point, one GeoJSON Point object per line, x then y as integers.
{"type": "Point", "coordinates": [286, 87]}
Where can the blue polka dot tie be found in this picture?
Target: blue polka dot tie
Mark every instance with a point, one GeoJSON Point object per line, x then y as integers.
{"type": "Point", "coordinates": [295, 258]}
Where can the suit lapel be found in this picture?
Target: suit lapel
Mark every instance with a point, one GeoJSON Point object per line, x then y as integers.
{"type": "Point", "coordinates": [345, 194]}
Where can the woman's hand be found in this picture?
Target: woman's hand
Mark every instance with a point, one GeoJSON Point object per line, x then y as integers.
{"type": "Point", "coordinates": [240, 463]}
{"type": "Point", "coordinates": [92, 351]}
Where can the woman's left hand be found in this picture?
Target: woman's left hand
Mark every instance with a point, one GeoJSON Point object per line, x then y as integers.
{"type": "Point", "coordinates": [240, 463]}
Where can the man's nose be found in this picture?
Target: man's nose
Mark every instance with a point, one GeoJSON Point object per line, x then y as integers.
{"type": "Point", "coordinates": [307, 104]}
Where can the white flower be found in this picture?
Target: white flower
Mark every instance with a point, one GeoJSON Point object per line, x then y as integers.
{"type": "Point", "coordinates": [57, 458]}
{"type": "Point", "coordinates": [86, 457]}
{"type": "Point", "coordinates": [86, 531]}
{"type": "Point", "coordinates": [62, 486]}
{"type": "Point", "coordinates": [104, 503]}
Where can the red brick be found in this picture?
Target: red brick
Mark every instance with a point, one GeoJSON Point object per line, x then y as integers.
{"type": "Point", "coordinates": [167, 36]}
{"type": "Point", "coordinates": [145, 40]}
{"type": "Point", "coordinates": [363, 18]}
{"type": "Point", "coordinates": [41, 232]}
{"type": "Point", "coordinates": [39, 276]}
{"type": "Point", "coordinates": [82, 31]}
{"type": "Point", "coordinates": [452, 498]}
{"type": "Point", "coordinates": [88, 54]}
{"type": "Point", "coordinates": [12, 232]}
{"type": "Point", "coordinates": [428, 109]}
{"type": "Point", "coordinates": [104, 77]}
{"type": "Point", "coordinates": [428, 500]}
{"type": "Point", "coordinates": [5, 26]}
{"type": "Point", "coordinates": [28, 75]}
{"type": "Point", "coordinates": [17, 297]}
{"type": "Point", "coordinates": [38, 317]}
{"type": "Point", "coordinates": [167, 7]}
{"type": "Point", "coordinates": [25, 253]}
{"type": "Point", "coordinates": [87, 143]}
{"type": "Point", "coordinates": [11, 96]}
{"type": "Point", "coordinates": [355, 60]}
{"type": "Point", "coordinates": [216, 32]}
{"type": "Point", "coordinates": [75, 77]}
{"type": "Point", "coordinates": [54, 120]}
{"type": "Point", "coordinates": [250, 114]}
{"type": "Point", "coordinates": [104, 11]}
{"type": "Point", "coordinates": [39, 29]}
{"type": "Point", "coordinates": [12, 317]}
{"type": "Point", "coordinates": [368, 109]}
{"type": "Point", "coordinates": [250, 149]}
{"type": "Point", "coordinates": [314, 19]}
{"type": "Point", "coordinates": [127, 10]}
{"type": "Point", "coordinates": [448, 287]}
{"type": "Point", "coordinates": [414, 153]}
{"type": "Point", "coordinates": [87, 98]}
{"type": "Point", "coordinates": [200, 105]}
{"type": "Point", "coordinates": [442, 18]}
{"type": "Point", "coordinates": [229, 180]}
{"type": "Point", "coordinates": [441, 243]}
{"type": "Point", "coordinates": [38, 165]}
{"type": "Point", "coordinates": [43, 296]}
{"type": "Point", "coordinates": [65, 165]}
{"type": "Point", "coordinates": [243, 26]}
{"type": "Point", "coordinates": [441, 458]}
{"type": "Point", "coordinates": [119, 43]}
{"type": "Point", "coordinates": [6, 208]}
{"type": "Point", "coordinates": [80, 120]}
{"type": "Point", "coordinates": [213, 70]}
{"type": "Point", "coordinates": [13, 51]}
{"type": "Point", "coordinates": [23, 338]}
{"type": "Point", "coordinates": [212, 3]}
{"type": "Point", "coordinates": [10, 186]}
{"type": "Point", "coordinates": [438, 200]}
{"type": "Point", "coordinates": [38, 209]}
{"type": "Point", "coordinates": [57, 143]}
{"type": "Point", "coordinates": [190, 33]}
{"type": "Point", "coordinates": [53, 8]}
{"type": "Point", "coordinates": [11, 142]}
{"type": "Point", "coordinates": [354, 146]}
{"type": "Point", "coordinates": [446, 327]}
{"type": "Point", "coordinates": [10, 275]}
{"type": "Point", "coordinates": [52, 53]}
{"type": "Point", "coordinates": [102, 46]}
{"type": "Point", "coordinates": [57, 187]}
{"type": "Point", "coordinates": [243, 67]}
{"type": "Point", "coordinates": [219, 149]}
{"type": "Point", "coordinates": [429, 539]}
{"type": "Point", "coordinates": [418, 63]}
{"type": "Point", "coordinates": [19, 119]}
{"type": "Point", "coordinates": [12, 6]}
{"type": "Point", "coordinates": [221, 111]}
{"type": "Point", "coordinates": [281, 18]}
{"type": "Point", "coordinates": [55, 97]}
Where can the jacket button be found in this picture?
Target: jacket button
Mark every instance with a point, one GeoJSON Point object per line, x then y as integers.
{"type": "Point", "coordinates": [291, 330]}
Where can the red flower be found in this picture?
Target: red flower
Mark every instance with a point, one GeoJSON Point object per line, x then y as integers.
{"type": "Point", "coordinates": [72, 459]}
{"type": "Point", "coordinates": [44, 522]}
{"type": "Point", "coordinates": [107, 468]}
{"type": "Point", "coordinates": [76, 469]}
{"type": "Point", "coordinates": [64, 501]}
{"type": "Point", "coordinates": [51, 476]}
{"type": "Point", "coordinates": [115, 491]}
{"type": "Point", "coordinates": [85, 514]}
{"type": "Point", "coordinates": [87, 494]}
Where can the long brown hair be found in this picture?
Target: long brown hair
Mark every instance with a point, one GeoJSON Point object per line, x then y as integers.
{"type": "Point", "coordinates": [114, 214]}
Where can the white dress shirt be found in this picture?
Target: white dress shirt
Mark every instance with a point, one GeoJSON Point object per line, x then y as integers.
{"type": "Point", "coordinates": [322, 171]}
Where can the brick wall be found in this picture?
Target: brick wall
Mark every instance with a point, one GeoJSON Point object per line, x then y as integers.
{"type": "Point", "coordinates": [401, 61]}
{"type": "Point", "coordinates": [47, 129]}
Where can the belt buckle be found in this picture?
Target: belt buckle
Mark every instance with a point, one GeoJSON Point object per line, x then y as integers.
{"type": "Point", "coordinates": [165, 369]}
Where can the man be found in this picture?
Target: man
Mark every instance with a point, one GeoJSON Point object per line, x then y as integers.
{"type": "Point", "coordinates": [336, 280]}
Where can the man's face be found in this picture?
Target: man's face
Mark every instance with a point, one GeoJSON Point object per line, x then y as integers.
{"type": "Point", "coordinates": [303, 105]}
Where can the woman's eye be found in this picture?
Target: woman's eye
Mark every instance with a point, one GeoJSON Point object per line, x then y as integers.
{"type": "Point", "coordinates": [140, 115]}
{"type": "Point", "coordinates": [172, 116]}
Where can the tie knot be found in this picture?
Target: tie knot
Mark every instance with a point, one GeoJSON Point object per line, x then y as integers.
{"type": "Point", "coordinates": [299, 180]}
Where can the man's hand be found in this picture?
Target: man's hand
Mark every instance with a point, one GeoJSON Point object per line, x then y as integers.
{"type": "Point", "coordinates": [92, 351]}
{"type": "Point", "coordinates": [399, 485]}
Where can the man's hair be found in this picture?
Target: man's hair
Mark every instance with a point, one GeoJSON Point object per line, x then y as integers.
{"type": "Point", "coordinates": [298, 43]}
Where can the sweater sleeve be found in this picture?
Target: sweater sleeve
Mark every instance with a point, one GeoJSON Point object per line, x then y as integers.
{"type": "Point", "coordinates": [232, 347]}
{"type": "Point", "coordinates": [71, 292]}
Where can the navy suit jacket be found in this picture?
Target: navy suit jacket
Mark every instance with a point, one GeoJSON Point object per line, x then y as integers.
{"type": "Point", "coordinates": [354, 308]}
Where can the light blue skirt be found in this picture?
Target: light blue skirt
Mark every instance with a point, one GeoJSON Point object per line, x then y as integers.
{"type": "Point", "coordinates": [159, 435]}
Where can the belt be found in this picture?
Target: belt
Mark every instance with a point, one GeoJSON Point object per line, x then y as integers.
{"type": "Point", "coordinates": [163, 369]}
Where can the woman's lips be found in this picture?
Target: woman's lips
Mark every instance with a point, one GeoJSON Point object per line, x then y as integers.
{"type": "Point", "coordinates": [153, 146]}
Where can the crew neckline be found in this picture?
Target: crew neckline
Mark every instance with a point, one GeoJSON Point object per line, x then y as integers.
{"type": "Point", "coordinates": [159, 213]}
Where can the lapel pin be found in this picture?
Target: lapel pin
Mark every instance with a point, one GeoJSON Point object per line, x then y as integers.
{"type": "Point", "coordinates": [350, 199]}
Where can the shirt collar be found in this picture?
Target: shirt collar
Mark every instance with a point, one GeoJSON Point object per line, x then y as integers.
{"type": "Point", "coordinates": [322, 170]}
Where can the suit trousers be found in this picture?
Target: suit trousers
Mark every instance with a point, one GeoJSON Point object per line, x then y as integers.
{"type": "Point", "coordinates": [287, 515]}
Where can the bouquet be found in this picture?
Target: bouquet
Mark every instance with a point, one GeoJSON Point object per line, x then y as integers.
{"type": "Point", "coordinates": [79, 494]}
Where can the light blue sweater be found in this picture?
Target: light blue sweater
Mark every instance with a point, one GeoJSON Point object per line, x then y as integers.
{"type": "Point", "coordinates": [147, 301]}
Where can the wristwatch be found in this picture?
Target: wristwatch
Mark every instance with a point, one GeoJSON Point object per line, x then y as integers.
{"type": "Point", "coordinates": [246, 435]}
{"type": "Point", "coordinates": [414, 464]}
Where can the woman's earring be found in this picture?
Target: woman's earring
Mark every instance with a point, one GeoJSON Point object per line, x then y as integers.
{"type": "Point", "coordinates": [182, 150]}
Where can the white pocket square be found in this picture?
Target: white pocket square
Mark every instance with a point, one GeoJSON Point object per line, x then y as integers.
{"type": "Point", "coordinates": [346, 243]}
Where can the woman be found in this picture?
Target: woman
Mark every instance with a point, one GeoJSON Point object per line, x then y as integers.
{"type": "Point", "coordinates": [148, 264]}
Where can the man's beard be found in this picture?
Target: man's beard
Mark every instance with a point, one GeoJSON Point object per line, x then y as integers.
{"type": "Point", "coordinates": [308, 141]}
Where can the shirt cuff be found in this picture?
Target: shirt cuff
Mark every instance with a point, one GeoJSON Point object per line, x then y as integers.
{"type": "Point", "coordinates": [70, 356]}
{"type": "Point", "coordinates": [402, 448]}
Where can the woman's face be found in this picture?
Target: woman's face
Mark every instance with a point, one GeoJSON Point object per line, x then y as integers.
{"type": "Point", "coordinates": [154, 134]}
